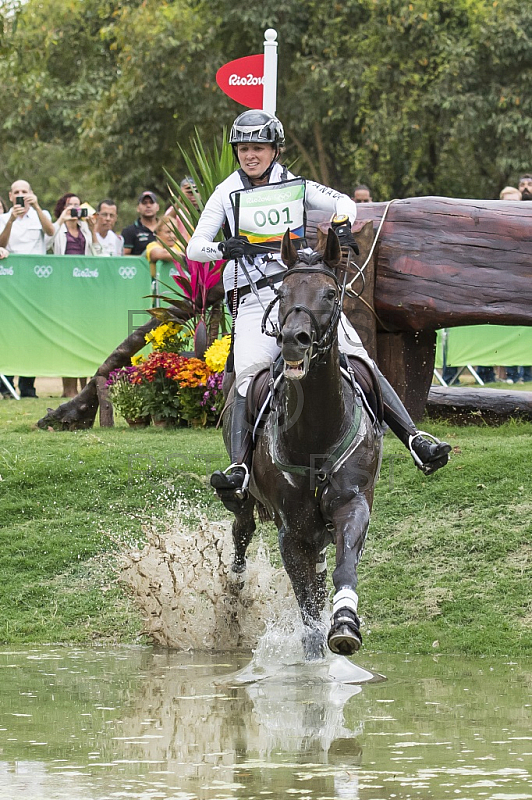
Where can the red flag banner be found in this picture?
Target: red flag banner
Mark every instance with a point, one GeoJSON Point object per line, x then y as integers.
{"type": "Point", "coordinates": [243, 80]}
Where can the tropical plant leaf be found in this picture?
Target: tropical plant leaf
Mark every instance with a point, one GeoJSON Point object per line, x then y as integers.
{"type": "Point", "coordinates": [182, 305]}
{"type": "Point", "coordinates": [200, 339]}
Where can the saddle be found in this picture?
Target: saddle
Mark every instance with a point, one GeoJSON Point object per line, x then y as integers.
{"type": "Point", "coordinates": [258, 398]}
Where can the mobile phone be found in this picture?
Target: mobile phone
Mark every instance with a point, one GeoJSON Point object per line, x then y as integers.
{"type": "Point", "coordinates": [75, 212]}
{"type": "Point", "coordinates": [19, 201]}
{"type": "Point", "coordinates": [84, 212]}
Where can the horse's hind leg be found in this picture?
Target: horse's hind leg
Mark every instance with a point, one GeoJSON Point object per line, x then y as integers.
{"type": "Point", "coordinates": [243, 529]}
{"type": "Point", "coordinates": [351, 524]}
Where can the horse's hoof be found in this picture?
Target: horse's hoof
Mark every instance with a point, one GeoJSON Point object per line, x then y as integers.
{"type": "Point", "coordinates": [344, 637]}
{"type": "Point", "coordinates": [344, 641]}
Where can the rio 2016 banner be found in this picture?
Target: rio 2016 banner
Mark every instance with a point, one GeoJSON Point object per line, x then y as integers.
{"type": "Point", "coordinates": [63, 315]}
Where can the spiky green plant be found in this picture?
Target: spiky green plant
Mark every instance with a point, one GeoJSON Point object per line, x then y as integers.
{"type": "Point", "coordinates": [207, 168]}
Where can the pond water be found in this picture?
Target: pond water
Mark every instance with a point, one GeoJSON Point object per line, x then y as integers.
{"type": "Point", "coordinates": [143, 723]}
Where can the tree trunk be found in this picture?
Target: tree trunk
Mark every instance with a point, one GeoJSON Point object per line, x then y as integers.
{"type": "Point", "coordinates": [407, 360]}
{"type": "Point", "coordinates": [468, 405]}
{"type": "Point", "coordinates": [106, 407]}
{"type": "Point", "coordinates": [442, 262]}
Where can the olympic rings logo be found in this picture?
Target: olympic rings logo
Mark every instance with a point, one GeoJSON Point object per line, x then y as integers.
{"type": "Point", "coordinates": [43, 271]}
{"type": "Point", "coordinates": [127, 272]}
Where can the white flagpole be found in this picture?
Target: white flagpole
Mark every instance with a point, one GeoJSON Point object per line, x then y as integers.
{"type": "Point", "coordinates": [269, 99]}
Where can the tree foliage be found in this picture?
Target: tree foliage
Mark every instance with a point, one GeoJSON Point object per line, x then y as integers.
{"type": "Point", "coordinates": [413, 98]}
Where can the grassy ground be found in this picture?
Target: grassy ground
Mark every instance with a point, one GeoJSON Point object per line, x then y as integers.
{"type": "Point", "coordinates": [447, 567]}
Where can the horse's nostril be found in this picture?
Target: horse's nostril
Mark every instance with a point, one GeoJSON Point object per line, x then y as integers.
{"type": "Point", "coordinates": [303, 339]}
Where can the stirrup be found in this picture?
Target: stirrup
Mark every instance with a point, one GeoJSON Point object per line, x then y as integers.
{"type": "Point", "coordinates": [240, 466]}
{"type": "Point", "coordinates": [424, 435]}
{"type": "Point", "coordinates": [241, 492]}
{"type": "Point", "coordinates": [430, 464]}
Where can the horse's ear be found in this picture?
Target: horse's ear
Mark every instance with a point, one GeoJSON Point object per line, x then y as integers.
{"type": "Point", "coordinates": [333, 253]}
{"type": "Point", "coordinates": [288, 251]}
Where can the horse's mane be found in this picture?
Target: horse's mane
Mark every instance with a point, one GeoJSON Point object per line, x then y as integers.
{"type": "Point", "coordinates": [310, 258]}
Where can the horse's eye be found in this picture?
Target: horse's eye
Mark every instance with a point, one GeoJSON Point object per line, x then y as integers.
{"type": "Point", "coordinates": [331, 294]}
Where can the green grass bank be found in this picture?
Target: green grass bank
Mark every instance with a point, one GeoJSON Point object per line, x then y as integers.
{"type": "Point", "coordinates": [447, 566]}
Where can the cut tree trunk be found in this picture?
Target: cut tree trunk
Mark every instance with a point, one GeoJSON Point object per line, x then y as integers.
{"type": "Point", "coordinates": [469, 405]}
{"type": "Point", "coordinates": [442, 262]}
{"type": "Point", "coordinates": [407, 361]}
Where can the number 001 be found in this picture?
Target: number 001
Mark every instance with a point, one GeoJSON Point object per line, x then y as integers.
{"type": "Point", "coordinates": [273, 217]}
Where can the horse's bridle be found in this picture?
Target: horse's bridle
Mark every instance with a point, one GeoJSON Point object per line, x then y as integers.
{"type": "Point", "coordinates": [320, 344]}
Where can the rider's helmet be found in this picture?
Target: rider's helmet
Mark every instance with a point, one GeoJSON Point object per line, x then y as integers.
{"type": "Point", "coordinates": [255, 125]}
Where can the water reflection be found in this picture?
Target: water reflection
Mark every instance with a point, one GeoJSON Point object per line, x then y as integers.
{"type": "Point", "coordinates": [138, 723]}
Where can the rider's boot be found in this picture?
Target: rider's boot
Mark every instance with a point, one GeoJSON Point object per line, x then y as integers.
{"type": "Point", "coordinates": [231, 484]}
{"type": "Point", "coordinates": [428, 455]}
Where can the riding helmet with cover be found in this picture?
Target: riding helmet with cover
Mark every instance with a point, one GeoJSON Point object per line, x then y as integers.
{"type": "Point", "coordinates": [255, 125]}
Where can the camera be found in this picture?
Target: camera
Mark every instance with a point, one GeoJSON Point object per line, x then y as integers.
{"type": "Point", "coordinates": [79, 212]}
{"type": "Point", "coordinates": [19, 200]}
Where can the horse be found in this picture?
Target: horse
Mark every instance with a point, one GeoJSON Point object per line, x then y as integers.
{"type": "Point", "coordinates": [317, 459]}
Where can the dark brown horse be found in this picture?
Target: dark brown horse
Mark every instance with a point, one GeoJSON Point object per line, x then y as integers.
{"type": "Point", "coordinates": [317, 460]}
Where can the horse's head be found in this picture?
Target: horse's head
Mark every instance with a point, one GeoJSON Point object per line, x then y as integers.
{"type": "Point", "coordinates": [309, 305]}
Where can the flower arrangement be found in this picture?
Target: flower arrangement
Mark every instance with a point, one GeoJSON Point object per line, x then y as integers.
{"type": "Point", "coordinates": [126, 397]}
{"type": "Point", "coordinates": [171, 387]}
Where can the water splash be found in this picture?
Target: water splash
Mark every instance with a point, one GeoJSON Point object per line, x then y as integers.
{"type": "Point", "coordinates": [191, 599]}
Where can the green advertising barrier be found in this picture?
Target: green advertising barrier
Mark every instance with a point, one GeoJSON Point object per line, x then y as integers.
{"type": "Point", "coordinates": [487, 345]}
{"type": "Point", "coordinates": [63, 315]}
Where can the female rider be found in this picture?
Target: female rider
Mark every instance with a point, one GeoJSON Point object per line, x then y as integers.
{"type": "Point", "coordinates": [256, 204]}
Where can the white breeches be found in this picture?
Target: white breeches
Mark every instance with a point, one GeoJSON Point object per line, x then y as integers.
{"type": "Point", "coordinates": [254, 350]}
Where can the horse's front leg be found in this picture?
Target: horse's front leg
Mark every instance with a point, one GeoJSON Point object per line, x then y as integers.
{"type": "Point", "coordinates": [351, 524]}
{"type": "Point", "coordinates": [243, 529]}
{"type": "Point", "coordinates": [305, 567]}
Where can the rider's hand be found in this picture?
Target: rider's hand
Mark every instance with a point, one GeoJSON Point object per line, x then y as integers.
{"type": "Point", "coordinates": [235, 247]}
{"type": "Point", "coordinates": [346, 238]}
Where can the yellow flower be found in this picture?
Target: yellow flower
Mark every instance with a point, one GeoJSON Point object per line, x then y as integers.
{"type": "Point", "coordinates": [216, 356]}
{"type": "Point", "coordinates": [138, 359]}
{"type": "Point", "coordinates": [158, 337]}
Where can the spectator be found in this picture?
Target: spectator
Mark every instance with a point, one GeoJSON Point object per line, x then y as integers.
{"type": "Point", "coordinates": [23, 230]}
{"type": "Point", "coordinates": [510, 193]}
{"type": "Point", "coordinates": [161, 261]}
{"type": "Point", "coordinates": [525, 186]}
{"type": "Point", "coordinates": [142, 232]}
{"type": "Point", "coordinates": [486, 374]}
{"type": "Point", "coordinates": [110, 243]}
{"type": "Point", "coordinates": [3, 207]}
{"type": "Point", "coordinates": [188, 186]}
{"type": "Point", "coordinates": [73, 235]}
{"type": "Point", "coordinates": [362, 194]}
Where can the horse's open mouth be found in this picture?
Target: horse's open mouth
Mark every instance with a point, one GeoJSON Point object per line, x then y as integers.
{"type": "Point", "coordinates": [295, 370]}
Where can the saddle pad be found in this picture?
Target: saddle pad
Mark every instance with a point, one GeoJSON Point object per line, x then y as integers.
{"type": "Point", "coordinates": [259, 390]}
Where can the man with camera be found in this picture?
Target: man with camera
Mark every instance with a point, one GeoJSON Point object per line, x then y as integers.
{"type": "Point", "coordinates": [23, 230]}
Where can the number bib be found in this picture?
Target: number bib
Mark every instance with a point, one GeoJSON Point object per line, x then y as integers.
{"type": "Point", "coordinates": [264, 213]}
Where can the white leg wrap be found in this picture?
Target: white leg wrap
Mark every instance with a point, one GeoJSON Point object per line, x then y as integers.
{"type": "Point", "coordinates": [345, 598]}
{"type": "Point", "coordinates": [321, 563]}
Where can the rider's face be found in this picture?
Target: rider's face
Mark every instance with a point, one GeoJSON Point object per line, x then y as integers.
{"type": "Point", "coordinates": [255, 158]}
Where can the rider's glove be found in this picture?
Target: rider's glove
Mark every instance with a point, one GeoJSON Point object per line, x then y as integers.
{"type": "Point", "coordinates": [235, 247]}
{"type": "Point", "coordinates": [342, 229]}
